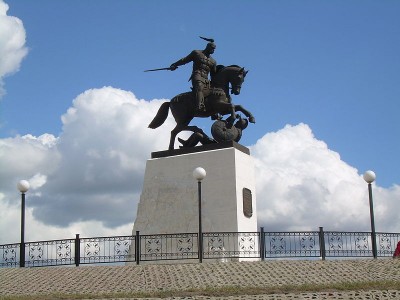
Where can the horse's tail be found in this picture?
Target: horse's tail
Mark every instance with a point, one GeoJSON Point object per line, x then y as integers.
{"type": "Point", "coordinates": [161, 116]}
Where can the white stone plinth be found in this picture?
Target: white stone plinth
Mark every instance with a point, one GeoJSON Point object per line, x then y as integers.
{"type": "Point", "coordinates": [169, 199]}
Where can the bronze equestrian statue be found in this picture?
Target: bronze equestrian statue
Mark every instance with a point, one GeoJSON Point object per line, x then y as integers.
{"type": "Point", "coordinates": [216, 101]}
{"type": "Point", "coordinates": [208, 98]}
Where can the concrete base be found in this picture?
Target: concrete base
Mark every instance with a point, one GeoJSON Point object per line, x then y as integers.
{"type": "Point", "coordinates": [169, 199]}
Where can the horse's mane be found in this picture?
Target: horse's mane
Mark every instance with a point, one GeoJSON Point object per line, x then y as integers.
{"type": "Point", "coordinates": [222, 67]}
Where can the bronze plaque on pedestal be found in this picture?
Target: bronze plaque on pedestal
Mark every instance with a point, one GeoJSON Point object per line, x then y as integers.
{"type": "Point", "coordinates": [247, 203]}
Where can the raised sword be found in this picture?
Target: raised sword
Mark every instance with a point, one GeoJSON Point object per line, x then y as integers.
{"type": "Point", "coordinates": [160, 69]}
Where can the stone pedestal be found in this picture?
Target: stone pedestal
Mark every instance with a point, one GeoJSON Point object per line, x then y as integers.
{"type": "Point", "coordinates": [169, 199]}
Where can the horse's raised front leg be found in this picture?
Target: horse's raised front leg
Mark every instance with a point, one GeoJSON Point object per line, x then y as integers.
{"type": "Point", "coordinates": [246, 113]}
{"type": "Point", "coordinates": [226, 108]}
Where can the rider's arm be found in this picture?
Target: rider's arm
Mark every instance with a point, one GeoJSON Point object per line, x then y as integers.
{"type": "Point", "coordinates": [183, 61]}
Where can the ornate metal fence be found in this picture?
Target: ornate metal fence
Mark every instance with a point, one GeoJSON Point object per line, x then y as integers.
{"type": "Point", "coordinates": [105, 250]}
{"type": "Point", "coordinates": [169, 246]}
{"type": "Point", "coordinates": [348, 244]}
{"type": "Point", "coordinates": [9, 255]}
{"type": "Point", "coordinates": [49, 253]}
{"type": "Point", "coordinates": [387, 243]}
{"type": "Point", "coordinates": [221, 246]}
{"type": "Point", "coordinates": [231, 245]}
{"type": "Point", "coordinates": [292, 244]}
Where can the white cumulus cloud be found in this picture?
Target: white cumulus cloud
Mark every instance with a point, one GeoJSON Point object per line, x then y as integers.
{"type": "Point", "coordinates": [302, 184]}
{"type": "Point", "coordinates": [88, 180]}
{"type": "Point", "coordinates": [12, 44]}
{"type": "Point", "coordinates": [92, 172]}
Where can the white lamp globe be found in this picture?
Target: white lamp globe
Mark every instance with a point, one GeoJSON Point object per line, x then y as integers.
{"type": "Point", "coordinates": [23, 186]}
{"type": "Point", "coordinates": [369, 176]}
{"type": "Point", "coordinates": [199, 173]}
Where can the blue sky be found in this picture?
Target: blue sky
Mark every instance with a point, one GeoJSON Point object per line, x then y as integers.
{"type": "Point", "coordinates": [331, 65]}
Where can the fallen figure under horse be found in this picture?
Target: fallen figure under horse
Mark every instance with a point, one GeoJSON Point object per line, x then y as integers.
{"type": "Point", "coordinates": [217, 101]}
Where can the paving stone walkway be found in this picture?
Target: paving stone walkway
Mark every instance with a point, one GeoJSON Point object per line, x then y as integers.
{"type": "Point", "coordinates": [97, 280]}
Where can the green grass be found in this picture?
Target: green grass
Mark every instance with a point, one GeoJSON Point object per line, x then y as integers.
{"type": "Point", "coordinates": [222, 291]}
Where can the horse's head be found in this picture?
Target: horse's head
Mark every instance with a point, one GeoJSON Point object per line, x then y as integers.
{"type": "Point", "coordinates": [237, 79]}
{"type": "Point", "coordinates": [231, 75]}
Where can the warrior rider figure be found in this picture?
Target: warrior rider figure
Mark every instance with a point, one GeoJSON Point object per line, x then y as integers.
{"type": "Point", "coordinates": [203, 64]}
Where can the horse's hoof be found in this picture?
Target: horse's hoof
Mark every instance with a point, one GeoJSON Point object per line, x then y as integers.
{"type": "Point", "coordinates": [252, 120]}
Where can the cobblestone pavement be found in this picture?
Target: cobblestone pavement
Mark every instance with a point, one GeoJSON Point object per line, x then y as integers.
{"type": "Point", "coordinates": [356, 295]}
{"type": "Point", "coordinates": [89, 280]}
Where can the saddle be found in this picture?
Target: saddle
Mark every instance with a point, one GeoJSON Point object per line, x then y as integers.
{"type": "Point", "coordinates": [207, 93]}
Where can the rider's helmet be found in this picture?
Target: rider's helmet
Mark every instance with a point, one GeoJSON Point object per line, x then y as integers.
{"type": "Point", "coordinates": [211, 45]}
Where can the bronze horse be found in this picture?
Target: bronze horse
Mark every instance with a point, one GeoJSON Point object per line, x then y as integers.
{"type": "Point", "coordinates": [217, 102]}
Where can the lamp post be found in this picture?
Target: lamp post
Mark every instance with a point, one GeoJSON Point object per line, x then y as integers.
{"type": "Point", "coordinates": [199, 174]}
{"type": "Point", "coordinates": [369, 177]}
{"type": "Point", "coordinates": [23, 187]}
